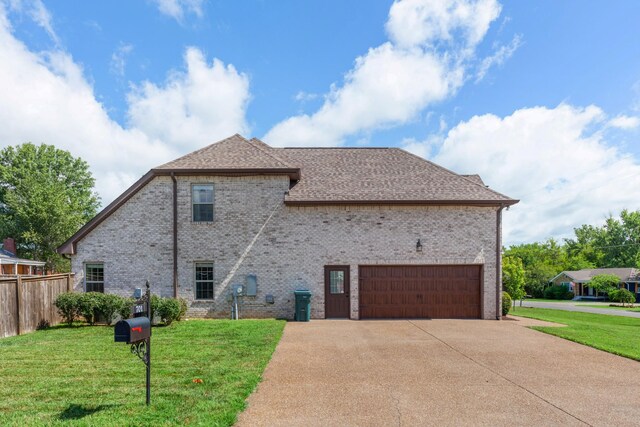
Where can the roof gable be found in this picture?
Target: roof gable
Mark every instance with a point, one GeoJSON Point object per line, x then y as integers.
{"type": "Point", "coordinates": [234, 153]}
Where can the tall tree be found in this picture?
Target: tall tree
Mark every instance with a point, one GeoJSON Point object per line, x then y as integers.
{"type": "Point", "coordinates": [615, 244]}
{"type": "Point", "coordinates": [45, 196]}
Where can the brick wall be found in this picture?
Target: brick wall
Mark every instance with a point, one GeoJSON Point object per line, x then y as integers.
{"type": "Point", "coordinates": [135, 243]}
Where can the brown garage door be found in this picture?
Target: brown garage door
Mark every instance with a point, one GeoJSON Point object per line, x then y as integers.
{"type": "Point", "coordinates": [420, 291]}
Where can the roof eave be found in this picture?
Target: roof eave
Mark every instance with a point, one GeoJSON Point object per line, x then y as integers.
{"type": "Point", "coordinates": [484, 203]}
{"type": "Point", "coordinates": [294, 173]}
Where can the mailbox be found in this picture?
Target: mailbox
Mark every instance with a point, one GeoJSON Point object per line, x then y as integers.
{"type": "Point", "coordinates": [132, 330]}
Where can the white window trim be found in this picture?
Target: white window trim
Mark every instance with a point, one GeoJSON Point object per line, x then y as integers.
{"type": "Point", "coordinates": [213, 203]}
{"type": "Point", "coordinates": [85, 264]}
{"type": "Point", "coordinates": [195, 281]}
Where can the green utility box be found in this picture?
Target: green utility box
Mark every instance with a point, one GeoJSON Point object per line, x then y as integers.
{"type": "Point", "coordinates": [303, 305]}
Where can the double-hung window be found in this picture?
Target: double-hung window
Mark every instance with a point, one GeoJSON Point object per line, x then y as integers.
{"type": "Point", "coordinates": [94, 277]}
{"type": "Point", "coordinates": [202, 200]}
{"type": "Point", "coordinates": [204, 280]}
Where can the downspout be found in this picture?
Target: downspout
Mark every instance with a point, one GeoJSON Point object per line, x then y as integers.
{"type": "Point", "coordinates": [175, 235]}
{"type": "Point", "coordinates": [499, 263]}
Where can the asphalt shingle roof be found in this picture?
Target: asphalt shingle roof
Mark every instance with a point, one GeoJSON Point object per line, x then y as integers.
{"type": "Point", "coordinates": [625, 274]}
{"type": "Point", "coordinates": [378, 174]}
{"type": "Point", "coordinates": [343, 175]}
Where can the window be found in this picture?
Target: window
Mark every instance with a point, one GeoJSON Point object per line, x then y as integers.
{"type": "Point", "coordinates": [204, 280]}
{"type": "Point", "coordinates": [336, 282]}
{"type": "Point", "coordinates": [202, 199]}
{"type": "Point", "coordinates": [94, 278]}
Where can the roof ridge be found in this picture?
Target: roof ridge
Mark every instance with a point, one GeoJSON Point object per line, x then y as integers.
{"type": "Point", "coordinates": [253, 141]}
{"type": "Point", "coordinates": [452, 172]}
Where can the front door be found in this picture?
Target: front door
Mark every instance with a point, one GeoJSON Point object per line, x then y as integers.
{"type": "Point", "coordinates": [336, 291]}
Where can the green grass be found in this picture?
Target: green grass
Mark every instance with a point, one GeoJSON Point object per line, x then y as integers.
{"type": "Point", "coordinates": [79, 376]}
{"type": "Point", "coordinates": [635, 308]}
{"type": "Point", "coordinates": [545, 300]}
{"type": "Point", "coordinates": [614, 334]}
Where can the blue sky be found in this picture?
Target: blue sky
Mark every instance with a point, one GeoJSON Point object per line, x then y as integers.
{"type": "Point", "coordinates": [542, 98]}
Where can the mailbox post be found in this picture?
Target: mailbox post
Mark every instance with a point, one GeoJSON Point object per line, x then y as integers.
{"type": "Point", "coordinates": [137, 333]}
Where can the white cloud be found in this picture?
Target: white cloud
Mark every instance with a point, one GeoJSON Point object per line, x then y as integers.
{"type": "Point", "coordinates": [194, 107]}
{"type": "Point", "coordinates": [499, 57]}
{"type": "Point", "coordinates": [428, 22]}
{"type": "Point", "coordinates": [424, 62]}
{"type": "Point", "coordinates": [46, 98]}
{"type": "Point", "coordinates": [624, 122]}
{"type": "Point", "coordinates": [303, 96]}
{"type": "Point", "coordinates": [36, 10]}
{"type": "Point", "coordinates": [119, 58]}
{"type": "Point", "coordinates": [177, 9]}
{"type": "Point", "coordinates": [556, 160]}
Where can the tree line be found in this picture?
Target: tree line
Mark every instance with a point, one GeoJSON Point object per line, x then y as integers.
{"type": "Point", "coordinates": [614, 244]}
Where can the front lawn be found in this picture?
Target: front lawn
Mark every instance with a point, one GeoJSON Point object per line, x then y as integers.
{"type": "Point", "coordinates": [79, 376]}
{"type": "Point", "coordinates": [615, 334]}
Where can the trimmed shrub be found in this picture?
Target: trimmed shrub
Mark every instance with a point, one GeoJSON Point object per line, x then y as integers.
{"type": "Point", "coordinates": [67, 305]}
{"type": "Point", "coordinates": [88, 306]}
{"type": "Point", "coordinates": [156, 302]}
{"type": "Point", "coordinates": [108, 306]}
{"type": "Point", "coordinates": [126, 306]}
{"type": "Point", "coordinates": [558, 292]}
{"type": "Point", "coordinates": [169, 310]}
{"type": "Point", "coordinates": [183, 308]}
{"type": "Point", "coordinates": [96, 306]}
{"type": "Point", "coordinates": [506, 303]}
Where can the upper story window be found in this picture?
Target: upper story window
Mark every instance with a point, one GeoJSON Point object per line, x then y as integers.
{"type": "Point", "coordinates": [202, 200]}
{"type": "Point", "coordinates": [94, 277]}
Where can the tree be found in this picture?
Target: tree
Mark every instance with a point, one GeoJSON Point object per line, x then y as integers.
{"type": "Point", "coordinates": [46, 195]}
{"type": "Point", "coordinates": [604, 283]}
{"type": "Point", "coordinates": [622, 295]}
{"type": "Point", "coordinates": [541, 261]}
{"type": "Point", "coordinates": [513, 277]}
{"type": "Point", "coordinates": [615, 244]}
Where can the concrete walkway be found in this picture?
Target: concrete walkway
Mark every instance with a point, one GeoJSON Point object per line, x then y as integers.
{"type": "Point", "coordinates": [576, 306]}
{"type": "Point", "coordinates": [440, 372]}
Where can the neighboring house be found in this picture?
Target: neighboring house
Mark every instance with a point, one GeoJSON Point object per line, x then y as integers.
{"type": "Point", "coordinates": [371, 232]}
{"type": "Point", "coordinates": [11, 265]}
{"type": "Point", "coordinates": [578, 281]}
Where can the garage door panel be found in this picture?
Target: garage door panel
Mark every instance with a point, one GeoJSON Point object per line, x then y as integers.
{"type": "Point", "coordinates": [420, 291]}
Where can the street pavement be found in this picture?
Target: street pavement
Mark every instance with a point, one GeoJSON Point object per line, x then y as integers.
{"type": "Point", "coordinates": [577, 306]}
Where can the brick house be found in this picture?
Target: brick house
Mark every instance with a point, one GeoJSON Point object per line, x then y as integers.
{"type": "Point", "coordinates": [372, 232]}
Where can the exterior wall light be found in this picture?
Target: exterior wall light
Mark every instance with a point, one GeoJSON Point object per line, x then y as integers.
{"type": "Point", "coordinates": [419, 246]}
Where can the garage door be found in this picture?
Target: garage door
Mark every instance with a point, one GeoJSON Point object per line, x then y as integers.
{"type": "Point", "coordinates": [420, 291]}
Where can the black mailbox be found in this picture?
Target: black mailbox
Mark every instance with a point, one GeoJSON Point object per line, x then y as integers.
{"type": "Point", "coordinates": [132, 330]}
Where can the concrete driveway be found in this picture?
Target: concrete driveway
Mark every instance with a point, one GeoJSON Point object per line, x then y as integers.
{"type": "Point", "coordinates": [440, 372]}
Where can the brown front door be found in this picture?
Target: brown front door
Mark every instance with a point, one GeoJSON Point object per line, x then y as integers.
{"type": "Point", "coordinates": [336, 291]}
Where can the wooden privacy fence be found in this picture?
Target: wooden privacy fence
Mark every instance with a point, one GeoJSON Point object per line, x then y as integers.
{"type": "Point", "coordinates": [28, 302]}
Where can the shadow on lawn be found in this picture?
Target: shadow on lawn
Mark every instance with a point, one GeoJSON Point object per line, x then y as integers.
{"type": "Point", "coordinates": [75, 412]}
